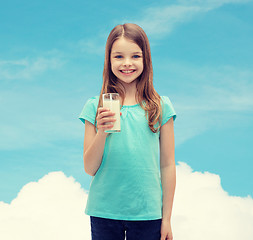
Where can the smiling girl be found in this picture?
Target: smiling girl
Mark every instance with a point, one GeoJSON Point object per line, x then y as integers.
{"type": "Point", "coordinates": [134, 174]}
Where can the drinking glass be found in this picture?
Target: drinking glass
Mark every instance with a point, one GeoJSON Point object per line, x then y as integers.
{"type": "Point", "coordinates": [112, 101]}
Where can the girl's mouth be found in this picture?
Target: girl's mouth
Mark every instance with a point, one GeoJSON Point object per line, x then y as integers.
{"type": "Point", "coordinates": [127, 72]}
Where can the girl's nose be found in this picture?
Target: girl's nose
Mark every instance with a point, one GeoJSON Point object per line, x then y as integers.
{"type": "Point", "coordinates": [127, 62]}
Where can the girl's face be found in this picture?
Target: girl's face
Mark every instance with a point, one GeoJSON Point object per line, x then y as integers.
{"type": "Point", "coordinates": [126, 60]}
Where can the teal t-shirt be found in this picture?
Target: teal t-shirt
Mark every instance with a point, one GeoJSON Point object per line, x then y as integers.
{"type": "Point", "coordinates": [127, 185]}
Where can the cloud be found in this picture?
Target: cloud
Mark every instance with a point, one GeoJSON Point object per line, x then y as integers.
{"type": "Point", "coordinates": [220, 88]}
{"type": "Point", "coordinates": [37, 116]}
{"type": "Point", "coordinates": [53, 208]}
{"type": "Point", "coordinates": [211, 3]}
{"type": "Point", "coordinates": [210, 97]}
{"type": "Point", "coordinates": [160, 21]}
{"type": "Point", "coordinates": [96, 45]}
{"type": "Point", "coordinates": [29, 67]}
{"type": "Point", "coordinates": [155, 21]}
{"type": "Point", "coordinates": [203, 210]}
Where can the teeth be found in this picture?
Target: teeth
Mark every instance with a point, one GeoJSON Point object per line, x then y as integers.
{"type": "Point", "coordinates": [127, 71]}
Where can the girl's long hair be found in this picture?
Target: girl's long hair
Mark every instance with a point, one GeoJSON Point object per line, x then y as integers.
{"type": "Point", "coordinates": [146, 95]}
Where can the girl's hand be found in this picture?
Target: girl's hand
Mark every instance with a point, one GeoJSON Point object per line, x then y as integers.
{"type": "Point", "coordinates": [166, 232]}
{"type": "Point", "coordinates": [105, 120]}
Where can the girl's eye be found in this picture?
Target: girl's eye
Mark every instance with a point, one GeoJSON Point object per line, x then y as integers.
{"type": "Point", "coordinates": [136, 56]}
{"type": "Point", "coordinates": [118, 56]}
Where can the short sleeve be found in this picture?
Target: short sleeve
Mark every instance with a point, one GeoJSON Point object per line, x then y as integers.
{"type": "Point", "coordinates": [89, 110]}
{"type": "Point", "coordinates": [168, 110]}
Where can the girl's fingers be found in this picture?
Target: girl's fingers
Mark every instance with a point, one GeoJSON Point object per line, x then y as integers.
{"type": "Point", "coordinates": [101, 109]}
{"type": "Point", "coordinates": [104, 112]}
{"type": "Point", "coordinates": [105, 127]}
{"type": "Point", "coordinates": [106, 120]}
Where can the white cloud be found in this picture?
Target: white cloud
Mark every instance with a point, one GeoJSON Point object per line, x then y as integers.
{"type": "Point", "coordinates": [155, 21]}
{"type": "Point", "coordinates": [37, 117]}
{"type": "Point", "coordinates": [28, 67]}
{"type": "Point", "coordinates": [210, 97]}
{"type": "Point", "coordinates": [219, 88]}
{"type": "Point", "coordinates": [92, 46]}
{"type": "Point", "coordinates": [158, 21]}
{"type": "Point", "coordinates": [162, 20]}
{"type": "Point", "coordinates": [53, 208]}
{"type": "Point", "coordinates": [211, 3]}
{"type": "Point", "coordinates": [203, 210]}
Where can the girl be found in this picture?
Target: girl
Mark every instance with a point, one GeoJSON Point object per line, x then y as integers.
{"type": "Point", "coordinates": [131, 192]}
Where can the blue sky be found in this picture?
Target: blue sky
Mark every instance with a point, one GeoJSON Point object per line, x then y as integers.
{"type": "Point", "coordinates": [51, 62]}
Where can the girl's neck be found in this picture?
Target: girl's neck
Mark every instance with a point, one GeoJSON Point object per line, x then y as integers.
{"type": "Point", "coordinates": [130, 93]}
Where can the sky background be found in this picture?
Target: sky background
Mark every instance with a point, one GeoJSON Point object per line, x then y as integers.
{"type": "Point", "coordinates": [51, 62]}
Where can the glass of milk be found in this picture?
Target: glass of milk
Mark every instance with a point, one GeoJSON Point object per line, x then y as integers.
{"type": "Point", "coordinates": [111, 101]}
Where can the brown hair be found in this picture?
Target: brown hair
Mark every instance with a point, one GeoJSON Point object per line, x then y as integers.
{"type": "Point", "coordinates": [145, 88]}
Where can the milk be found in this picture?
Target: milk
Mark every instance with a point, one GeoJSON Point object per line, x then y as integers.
{"type": "Point", "coordinates": [114, 106]}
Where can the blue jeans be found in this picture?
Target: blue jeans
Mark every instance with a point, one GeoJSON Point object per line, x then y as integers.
{"type": "Point", "coordinates": [111, 229]}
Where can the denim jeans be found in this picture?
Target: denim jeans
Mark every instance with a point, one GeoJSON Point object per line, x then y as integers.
{"type": "Point", "coordinates": [111, 229]}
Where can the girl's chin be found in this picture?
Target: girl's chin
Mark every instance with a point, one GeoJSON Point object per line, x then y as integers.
{"type": "Point", "coordinates": [126, 81]}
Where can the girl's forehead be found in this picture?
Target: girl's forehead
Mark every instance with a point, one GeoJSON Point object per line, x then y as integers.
{"type": "Point", "coordinates": [125, 45]}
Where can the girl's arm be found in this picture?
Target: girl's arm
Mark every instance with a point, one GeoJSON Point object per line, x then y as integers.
{"type": "Point", "coordinates": [167, 167]}
{"type": "Point", "coordinates": [94, 143]}
{"type": "Point", "coordinates": [93, 149]}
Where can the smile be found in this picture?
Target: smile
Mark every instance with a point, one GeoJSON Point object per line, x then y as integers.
{"type": "Point", "coordinates": [127, 71]}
